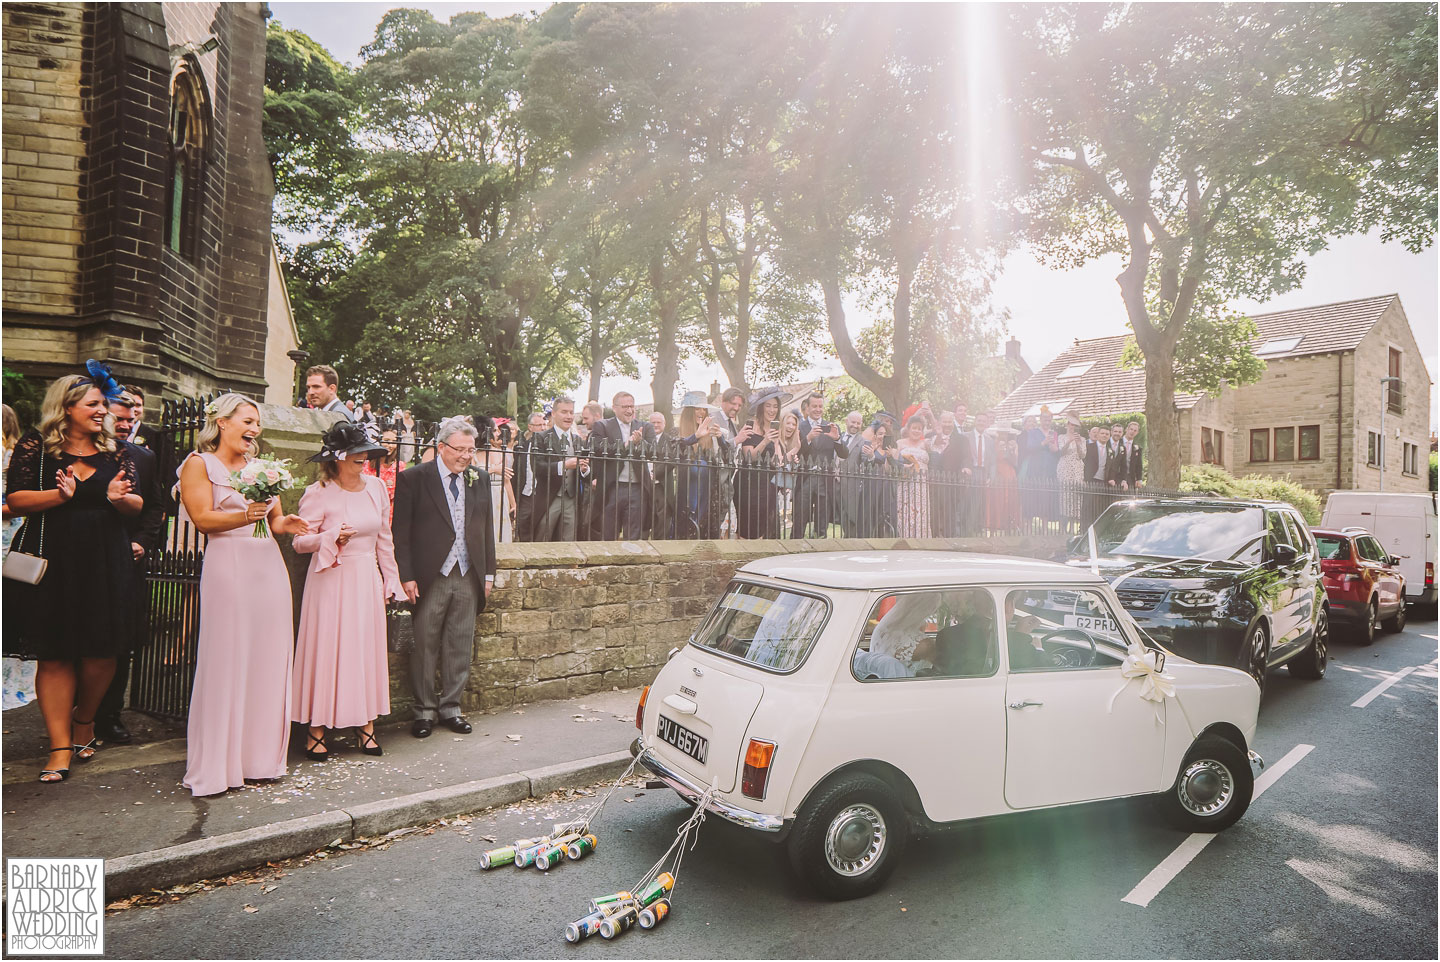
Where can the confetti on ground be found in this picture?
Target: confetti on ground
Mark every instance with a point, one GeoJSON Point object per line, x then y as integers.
{"type": "Point", "coordinates": [252, 909]}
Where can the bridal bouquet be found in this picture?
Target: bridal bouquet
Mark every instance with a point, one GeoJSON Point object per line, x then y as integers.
{"type": "Point", "coordinates": [260, 480]}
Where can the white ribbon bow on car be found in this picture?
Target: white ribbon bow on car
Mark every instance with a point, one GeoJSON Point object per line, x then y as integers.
{"type": "Point", "coordinates": [1142, 665]}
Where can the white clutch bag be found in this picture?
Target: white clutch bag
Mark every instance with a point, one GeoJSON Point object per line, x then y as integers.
{"type": "Point", "coordinates": [28, 568]}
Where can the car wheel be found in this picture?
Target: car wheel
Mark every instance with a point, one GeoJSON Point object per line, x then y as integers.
{"type": "Point", "coordinates": [1213, 788]}
{"type": "Point", "coordinates": [849, 837]}
{"type": "Point", "coordinates": [1371, 625]}
{"type": "Point", "coordinates": [1311, 662]}
{"type": "Point", "coordinates": [1257, 654]}
{"type": "Point", "coordinates": [1397, 620]}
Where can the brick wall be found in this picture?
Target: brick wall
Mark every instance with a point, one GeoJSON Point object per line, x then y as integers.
{"type": "Point", "coordinates": [44, 147]}
{"type": "Point", "coordinates": [576, 618]}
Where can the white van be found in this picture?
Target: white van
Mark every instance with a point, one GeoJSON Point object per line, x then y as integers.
{"type": "Point", "coordinates": [1403, 522]}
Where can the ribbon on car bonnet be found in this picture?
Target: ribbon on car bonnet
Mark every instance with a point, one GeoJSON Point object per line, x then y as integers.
{"type": "Point", "coordinates": [1142, 666]}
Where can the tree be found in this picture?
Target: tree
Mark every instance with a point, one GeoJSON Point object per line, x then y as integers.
{"type": "Point", "coordinates": [1214, 146]}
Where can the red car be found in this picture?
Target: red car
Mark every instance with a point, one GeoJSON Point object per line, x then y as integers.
{"type": "Point", "coordinates": [1362, 580]}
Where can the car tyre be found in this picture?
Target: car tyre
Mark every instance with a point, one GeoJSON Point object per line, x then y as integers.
{"type": "Point", "coordinates": [1397, 620]}
{"type": "Point", "coordinates": [849, 836]}
{"type": "Point", "coordinates": [1257, 654]}
{"type": "Point", "coordinates": [1212, 789]}
{"type": "Point", "coordinates": [1366, 632]}
{"type": "Point", "coordinates": [1311, 662]}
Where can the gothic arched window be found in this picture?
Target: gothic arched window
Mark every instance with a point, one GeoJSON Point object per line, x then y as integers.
{"type": "Point", "coordinates": [189, 137]}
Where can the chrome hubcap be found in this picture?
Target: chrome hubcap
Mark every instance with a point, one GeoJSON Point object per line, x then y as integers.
{"type": "Point", "coordinates": [855, 839]}
{"type": "Point", "coordinates": [1206, 787]}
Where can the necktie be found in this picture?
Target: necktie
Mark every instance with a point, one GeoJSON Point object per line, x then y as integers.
{"type": "Point", "coordinates": [454, 487]}
{"type": "Point", "coordinates": [979, 452]}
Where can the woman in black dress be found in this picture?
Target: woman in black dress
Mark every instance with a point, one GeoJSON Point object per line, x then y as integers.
{"type": "Point", "coordinates": [72, 483]}
{"type": "Point", "coordinates": [758, 444]}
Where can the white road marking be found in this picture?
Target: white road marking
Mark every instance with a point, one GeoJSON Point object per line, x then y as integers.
{"type": "Point", "coordinates": [1379, 689]}
{"type": "Point", "coordinates": [1162, 874]}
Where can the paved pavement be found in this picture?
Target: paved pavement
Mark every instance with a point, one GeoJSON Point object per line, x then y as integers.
{"type": "Point", "coordinates": [1336, 859]}
{"type": "Point", "coordinates": [128, 801]}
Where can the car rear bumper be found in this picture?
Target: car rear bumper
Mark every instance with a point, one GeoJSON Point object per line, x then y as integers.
{"type": "Point", "coordinates": [1257, 764]}
{"type": "Point", "coordinates": [1423, 596]}
{"type": "Point", "coordinates": [1348, 609]}
{"type": "Point", "coordinates": [691, 792]}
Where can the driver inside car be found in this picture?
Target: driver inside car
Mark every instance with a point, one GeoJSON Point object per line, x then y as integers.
{"type": "Point", "coordinates": [1026, 652]}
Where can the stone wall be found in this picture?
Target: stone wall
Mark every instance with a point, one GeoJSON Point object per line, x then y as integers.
{"type": "Point", "coordinates": [1412, 425]}
{"type": "Point", "coordinates": [569, 619]}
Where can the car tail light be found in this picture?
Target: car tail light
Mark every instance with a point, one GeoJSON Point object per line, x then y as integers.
{"type": "Point", "coordinates": [757, 768]}
{"type": "Point", "coordinates": [640, 708]}
{"type": "Point", "coordinates": [1429, 573]}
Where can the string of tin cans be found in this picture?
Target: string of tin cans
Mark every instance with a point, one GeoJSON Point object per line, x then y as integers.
{"type": "Point", "coordinates": [573, 840]}
{"type": "Point", "coordinates": [647, 903]}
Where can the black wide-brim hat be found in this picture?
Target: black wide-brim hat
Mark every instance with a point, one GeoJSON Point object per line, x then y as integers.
{"type": "Point", "coordinates": [763, 394]}
{"type": "Point", "coordinates": [346, 441]}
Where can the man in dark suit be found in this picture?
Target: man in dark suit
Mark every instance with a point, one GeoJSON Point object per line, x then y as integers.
{"type": "Point", "coordinates": [978, 470]}
{"type": "Point", "coordinates": [525, 477]}
{"type": "Point", "coordinates": [1097, 460]}
{"type": "Point", "coordinates": [445, 550]}
{"type": "Point", "coordinates": [946, 493]}
{"type": "Point", "coordinates": [144, 532]}
{"type": "Point", "coordinates": [814, 491]}
{"type": "Point", "coordinates": [623, 474]}
{"type": "Point", "coordinates": [1127, 465]}
{"type": "Point", "coordinates": [561, 473]}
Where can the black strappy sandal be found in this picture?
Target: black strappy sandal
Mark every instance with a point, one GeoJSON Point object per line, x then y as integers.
{"type": "Point", "coordinates": [64, 773]}
{"type": "Point", "coordinates": [313, 743]}
{"type": "Point", "coordinates": [91, 747]}
{"type": "Point", "coordinates": [366, 741]}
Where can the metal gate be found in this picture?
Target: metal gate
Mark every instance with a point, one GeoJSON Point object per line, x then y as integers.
{"type": "Point", "coordinates": [164, 664]}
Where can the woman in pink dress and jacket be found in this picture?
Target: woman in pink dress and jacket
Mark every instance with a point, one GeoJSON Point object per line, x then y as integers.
{"type": "Point", "coordinates": [342, 677]}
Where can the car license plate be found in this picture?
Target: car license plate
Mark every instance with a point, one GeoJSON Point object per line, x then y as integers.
{"type": "Point", "coordinates": [673, 733]}
{"type": "Point", "coordinates": [1092, 623]}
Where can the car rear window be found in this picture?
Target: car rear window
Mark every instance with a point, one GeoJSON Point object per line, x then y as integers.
{"type": "Point", "coordinates": [1171, 530]}
{"type": "Point", "coordinates": [767, 627]}
{"type": "Point", "coordinates": [1333, 549]}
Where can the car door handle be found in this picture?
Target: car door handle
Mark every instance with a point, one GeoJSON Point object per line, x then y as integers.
{"type": "Point", "coordinates": [1027, 703]}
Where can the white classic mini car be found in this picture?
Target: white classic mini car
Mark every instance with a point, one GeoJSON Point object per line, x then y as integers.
{"type": "Point", "coordinates": [844, 701]}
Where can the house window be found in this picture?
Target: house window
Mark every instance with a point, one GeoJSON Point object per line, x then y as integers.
{"type": "Point", "coordinates": [189, 137]}
{"type": "Point", "coordinates": [1075, 370]}
{"type": "Point", "coordinates": [1372, 450]}
{"type": "Point", "coordinates": [1395, 390]}
{"type": "Point", "coordinates": [1056, 406]}
{"type": "Point", "coordinates": [1212, 446]}
{"type": "Point", "coordinates": [1284, 444]}
{"type": "Point", "coordinates": [1411, 463]}
{"type": "Point", "coordinates": [1259, 444]}
{"type": "Point", "coordinates": [1279, 345]}
{"type": "Point", "coordinates": [1220, 447]}
{"type": "Point", "coordinates": [1310, 442]}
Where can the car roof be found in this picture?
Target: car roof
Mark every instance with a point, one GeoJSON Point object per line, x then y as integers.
{"type": "Point", "coordinates": [872, 570]}
{"type": "Point", "coordinates": [1202, 499]}
{"type": "Point", "coordinates": [1342, 532]}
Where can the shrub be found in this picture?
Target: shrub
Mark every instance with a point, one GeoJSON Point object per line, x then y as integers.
{"type": "Point", "coordinates": [1210, 479]}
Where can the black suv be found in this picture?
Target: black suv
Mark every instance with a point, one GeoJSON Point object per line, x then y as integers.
{"type": "Point", "coordinates": [1226, 582]}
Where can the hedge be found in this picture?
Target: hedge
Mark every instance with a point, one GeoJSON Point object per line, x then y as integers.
{"type": "Point", "coordinates": [1209, 479]}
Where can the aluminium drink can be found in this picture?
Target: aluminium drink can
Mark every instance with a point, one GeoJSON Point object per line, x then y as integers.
{"type": "Point", "coordinates": [619, 921]}
{"type": "Point", "coordinates": [581, 847]}
{"type": "Point", "coordinates": [548, 857]}
{"type": "Point", "coordinates": [655, 913]}
{"type": "Point", "coordinates": [525, 857]}
{"type": "Point", "coordinates": [584, 928]}
{"type": "Point", "coordinates": [609, 903]}
{"type": "Point", "coordinates": [663, 883]}
{"type": "Point", "coordinates": [497, 857]}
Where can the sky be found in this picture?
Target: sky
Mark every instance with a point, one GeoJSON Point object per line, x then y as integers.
{"type": "Point", "coordinates": [1047, 308]}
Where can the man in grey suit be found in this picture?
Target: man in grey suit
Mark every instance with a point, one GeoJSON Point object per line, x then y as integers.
{"type": "Point", "coordinates": [978, 469]}
{"type": "Point", "coordinates": [445, 550]}
{"type": "Point", "coordinates": [852, 486]}
{"type": "Point", "coordinates": [559, 473]}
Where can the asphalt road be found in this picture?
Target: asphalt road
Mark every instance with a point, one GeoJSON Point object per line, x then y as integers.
{"type": "Point", "coordinates": [1336, 860]}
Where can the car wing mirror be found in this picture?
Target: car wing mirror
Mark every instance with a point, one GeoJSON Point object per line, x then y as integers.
{"type": "Point", "coordinates": [1159, 659]}
{"type": "Point", "coordinates": [1285, 553]}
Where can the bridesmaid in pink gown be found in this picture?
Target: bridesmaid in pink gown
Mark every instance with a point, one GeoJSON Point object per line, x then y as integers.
{"type": "Point", "coordinates": [342, 677]}
{"type": "Point", "coordinates": [239, 727]}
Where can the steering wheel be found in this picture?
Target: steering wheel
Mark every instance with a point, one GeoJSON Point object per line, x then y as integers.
{"type": "Point", "coordinates": [1068, 657]}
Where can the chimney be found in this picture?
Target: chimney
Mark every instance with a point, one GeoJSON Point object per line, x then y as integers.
{"type": "Point", "coordinates": [1012, 350]}
{"type": "Point", "coordinates": [714, 391]}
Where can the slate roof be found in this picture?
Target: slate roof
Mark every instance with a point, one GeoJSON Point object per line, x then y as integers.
{"type": "Point", "coordinates": [1106, 388]}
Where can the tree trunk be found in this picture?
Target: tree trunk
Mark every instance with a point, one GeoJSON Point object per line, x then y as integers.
{"type": "Point", "coordinates": [885, 388]}
{"type": "Point", "coordinates": [1162, 422]}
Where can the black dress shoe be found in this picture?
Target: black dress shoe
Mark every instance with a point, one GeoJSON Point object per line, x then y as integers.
{"type": "Point", "coordinates": [421, 727]}
{"type": "Point", "coordinates": [457, 724]}
{"type": "Point", "coordinates": [113, 732]}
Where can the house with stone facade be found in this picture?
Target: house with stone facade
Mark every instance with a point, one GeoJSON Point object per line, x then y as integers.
{"type": "Point", "coordinates": [1315, 415]}
{"type": "Point", "coordinates": [137, 193]}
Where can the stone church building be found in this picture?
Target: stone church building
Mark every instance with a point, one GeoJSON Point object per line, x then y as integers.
{"type": "Point", "coordinates": [137, 195]}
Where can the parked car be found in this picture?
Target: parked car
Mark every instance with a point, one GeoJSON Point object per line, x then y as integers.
{"type": "Point", "coordinates": [1362, 580]}
{"type": "Point", "coordinates": [841, 702]}
{"type": "Point", "coordinates": [1405, 525]}
{"type": "Point", "coordinates": [1225, 582]}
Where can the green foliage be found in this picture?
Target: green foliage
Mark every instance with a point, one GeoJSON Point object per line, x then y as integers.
{"type": "Point", "coordinates": [1434, 469]}
{"type": "Point", "coordinates": [24, 394]}
{"type": "Point", "coordinates": [1211, 479]}
{"type": "Point", "coordinates": [1212, 351]}
{"type": "Point", "coordinates": [845, 394]}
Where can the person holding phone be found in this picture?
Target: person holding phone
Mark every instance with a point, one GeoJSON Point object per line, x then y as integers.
{"type": "Point", "coordinates": [758, 441]}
